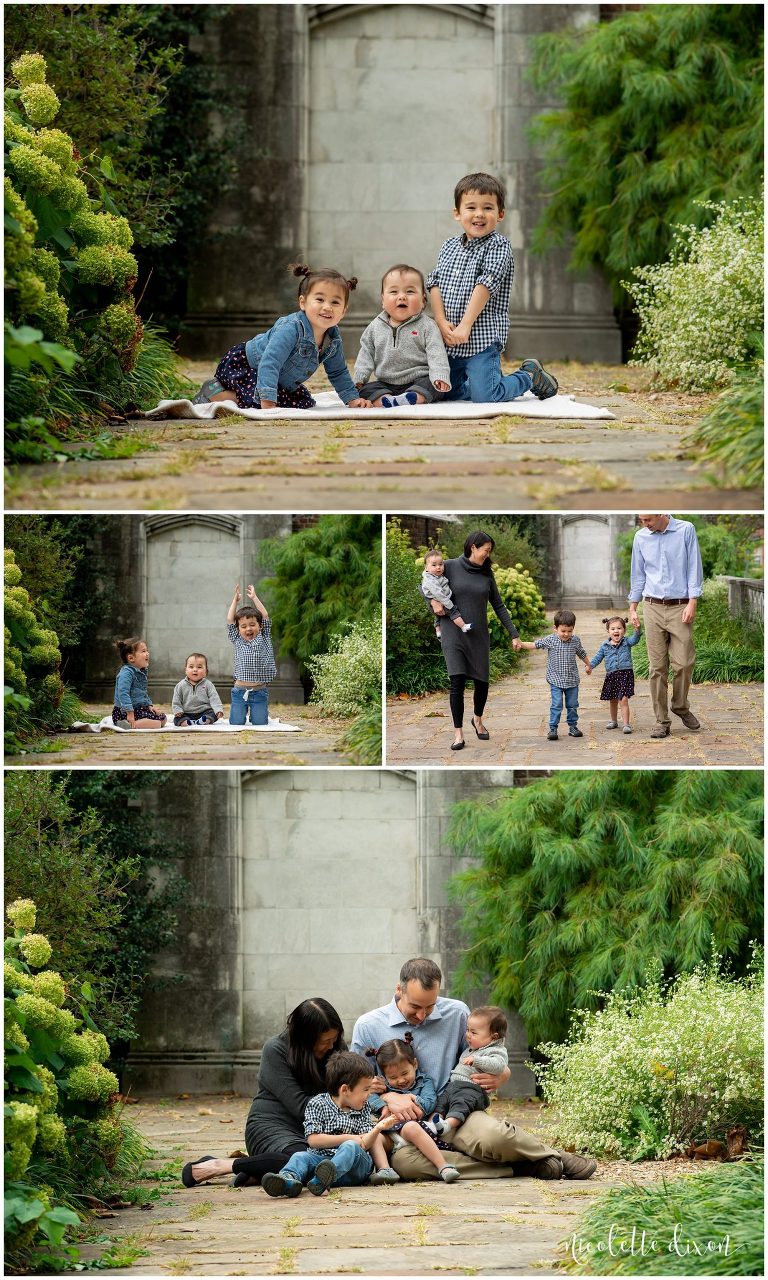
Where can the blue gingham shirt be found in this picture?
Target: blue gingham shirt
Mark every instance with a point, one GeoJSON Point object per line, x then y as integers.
{"type": "Point", "coordinates": [666, 565]}
{"type": "Point", "coordinates": [322, 1115]}
{"type": "Point", "coordinates": [254, 659]}
{"type": "Point", "coordinates": [562, 671]}
{"type": "Point", "coordinates": [463, 263]}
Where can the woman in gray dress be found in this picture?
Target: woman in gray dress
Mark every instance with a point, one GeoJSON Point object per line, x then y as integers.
{"type": "Point", "coordinates": [292, 1070]}
{"type": "Point", "coordinates": [468, 653]}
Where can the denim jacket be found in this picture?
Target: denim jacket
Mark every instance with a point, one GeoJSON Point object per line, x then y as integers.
{"type": "Point", "coordinates": [286, 355]}
{"type": "Point", "coordinates": [423, 1089]}
{"type": "Point", "coordinates": [131, 688]}
{"type": "Point", "coordinates": [618, 657]}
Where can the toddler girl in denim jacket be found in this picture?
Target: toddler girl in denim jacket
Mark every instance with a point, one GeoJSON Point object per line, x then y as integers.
{"type": "Point", "coordinates": [619, 684]}
{"type": "Point", "coordinates": [269, 370]}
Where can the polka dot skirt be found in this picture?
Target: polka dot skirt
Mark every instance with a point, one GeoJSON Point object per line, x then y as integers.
{"type": "Point", "coordinates": [235, 373]}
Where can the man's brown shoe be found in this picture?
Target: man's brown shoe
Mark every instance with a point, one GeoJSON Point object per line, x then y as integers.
{"type": "Point", "coordinates": [688, 719]}
{"type": "Point", "coordinates": [576, 1166]}
{"type": "Point", "coordinates": [660, 731]}
{"type": "Point", "coordinates": [550, 1168]}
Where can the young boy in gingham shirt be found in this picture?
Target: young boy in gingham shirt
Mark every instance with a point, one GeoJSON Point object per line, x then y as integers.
{"type": "Point", "coordinates": [563, 648]}
{"type": "Point", "coordinates": [250, 630]}
{"type": "Point", "coordinates": [469, 291]}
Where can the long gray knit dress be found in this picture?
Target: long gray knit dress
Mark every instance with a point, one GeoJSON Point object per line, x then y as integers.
{"type": "Point", "coordinates": [468, 653]}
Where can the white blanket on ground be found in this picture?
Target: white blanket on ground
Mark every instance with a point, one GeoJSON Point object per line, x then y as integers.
{"type": "Point", "coordinates": [221, 726]}
{"type": "Point", "coordinates": [330, 406]}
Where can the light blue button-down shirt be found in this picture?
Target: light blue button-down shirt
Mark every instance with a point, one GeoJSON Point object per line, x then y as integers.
{"type": "Point", "coordinates": [666, 565]}
{"type": "Point", "coordinates": [438, 1041]}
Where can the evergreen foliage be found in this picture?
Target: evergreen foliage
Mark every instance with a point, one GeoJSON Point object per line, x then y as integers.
{"type": "Point", "coordinates": [685, 1062]}
{"type": "Point", "coordinates": [662, 110]}
{"type": "Point", "coordinates": [579, 881]}
{"type": "Point", "coordinates": [362, 740]}
{"type": "Point", "coordinates": [323, 578]}
{"type": "Point", "coordinates": [728, 545]}
{"type": "Point", "coordinates": [723, 1204]}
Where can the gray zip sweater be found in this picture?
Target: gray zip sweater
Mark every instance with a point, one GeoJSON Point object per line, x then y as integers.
{"type": "Point", "coordinates": [492, 1058]}
{"type": "Point", "coordinates": [195, 699]}
{"type": "Point", "coordinates": [402, 354]}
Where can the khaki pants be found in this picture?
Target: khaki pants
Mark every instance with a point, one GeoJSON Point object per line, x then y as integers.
{"type": "Point", "coordinates": [670, 644]}
{"type": "Point", "coordinates": [486, 1147]}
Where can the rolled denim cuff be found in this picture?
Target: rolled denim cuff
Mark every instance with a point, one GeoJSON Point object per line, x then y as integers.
{"type": "Point", "coordinates": [267, 393]}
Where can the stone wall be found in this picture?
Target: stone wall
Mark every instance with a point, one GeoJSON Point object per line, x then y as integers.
{"type": "Point", "coordinates": [357, 126]}
{"type": "Point", "coordinates": [305, 882]}
{"type": "Point", "coordinates": [582, 560]}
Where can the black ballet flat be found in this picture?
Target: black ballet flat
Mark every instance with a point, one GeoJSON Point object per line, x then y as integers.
{"type": "Point", "coordinates": [482, 736]}
{"type": "Point", "coordinates": [458, 746]}
{"type": "Point", "coordinates": [186, 1173]}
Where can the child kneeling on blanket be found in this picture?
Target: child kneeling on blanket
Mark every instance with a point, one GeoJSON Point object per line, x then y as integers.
{"type": "Point", "coordinates": [250, 629]}
{"type": "Point", "coordinates": [344, 1138]}
{"type": "Point", "coordinates": [195, 700]}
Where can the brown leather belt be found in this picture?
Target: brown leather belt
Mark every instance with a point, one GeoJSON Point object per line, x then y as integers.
{"type": "Point", "coordinates": [656, 600]}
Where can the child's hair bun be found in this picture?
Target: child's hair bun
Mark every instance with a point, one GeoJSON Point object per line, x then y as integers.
{"type": "Point", "coordinates": [300, 269]}
{"type": "Point", "coordinates": [352, 284]}
{"type": "Point", "coordinates": [605, 621]}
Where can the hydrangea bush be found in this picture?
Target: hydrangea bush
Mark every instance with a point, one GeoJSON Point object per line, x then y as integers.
{"type": "Point", "coordinates": [348, 677]}
{"type": "Point", "coordinates": [60, 1099]}
{"type": "Point", "coordinates": [524, 601]}
{"type": "Point", "coordinates": [35, 692]}
{"type": "Point", "coordinates": [701, 312]}
{"type": "Point", "coordinates": [654, 1069]}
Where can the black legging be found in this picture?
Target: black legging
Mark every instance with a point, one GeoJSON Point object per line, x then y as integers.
{"type": "Point", "coordinates": [458, 685]}
{"type": "Point", "coordinates": [270, 1162]}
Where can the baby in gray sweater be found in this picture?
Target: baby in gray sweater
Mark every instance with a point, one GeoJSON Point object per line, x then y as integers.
{"type": "Point", "coordinates": [195, 700]}
{"type": "Point", "coordinates": [486, 1029]}
{"type": "Point", "coordinates": [435, 586]}
{"type": "Point", "coordinates": [402, 358]}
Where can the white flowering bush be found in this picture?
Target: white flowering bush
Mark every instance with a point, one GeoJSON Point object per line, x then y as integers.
{"type": "Point", "coordinates": [348, 677]}
{"type": "Point", "coordinates": [654, 1069]}
{"type": "Point", "coordinates": [701, 312]}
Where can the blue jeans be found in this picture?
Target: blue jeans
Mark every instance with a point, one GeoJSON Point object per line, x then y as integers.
{"type": "Point", "coordinates": [241, 700]}
{"type": "Point", "coordinates": [479, 378]}
{"type": "Point", "coordinates": [354, 1165]}
{"type": "Point", "coordinates": [571, 698]}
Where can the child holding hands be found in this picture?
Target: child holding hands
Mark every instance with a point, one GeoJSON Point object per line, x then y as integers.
{"type": "Point", "coordinates": [619, 684]}
{"type": "Point", "coordinates": [563, 648]}
{"type": "Point", "coordinates": [250, 629]}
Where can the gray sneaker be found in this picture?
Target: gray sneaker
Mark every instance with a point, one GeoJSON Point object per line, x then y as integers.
{"type": "Point", "coordinates": [627, 728]}
{"type": "Point", "coordinates": [380, 1177]}
{"type": "Point", "coordinates": [573, 732]}
{"type": "Point", "coordinates": [210, 388]}
{"type": "Point", "coordinates": [120, 724]}
{"type": "Point", "coordinates": [612, 724]}
{"type": "Point", "coordinates": [544, 384]}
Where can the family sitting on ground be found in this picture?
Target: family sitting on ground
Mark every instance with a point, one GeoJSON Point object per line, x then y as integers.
{"type": "Point", "coordinates": [405, 357]}
{"type": "Point", "coordinates": [325, 1117]}
{"type": "Point", "coordinates": [195, 698]}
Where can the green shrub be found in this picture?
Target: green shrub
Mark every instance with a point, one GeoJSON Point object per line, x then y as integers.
{"type": "Point", "coordinates": [729, 440]}
{"type": "Point", "coordinates": [701, 312]}
{"type": "Point", "coordinates": [684, 1063]}
{"type": "Point", "coordinates": [727, 544]}
{"type": "Point", "coordinates": [58, 1115]}
{"type": "Point", "coordinates": [348, 677]}
{"type": "Point", "coordinates": [728, 650]}
{"type": "Point", "coordinates": [514, 538]}
{"type": "Point", "coordinates": [524, 602]}
{"type": "Point", "coordinates": [665, 1228]}
{"type": "Point", "coordinates": [32, 668]}
{"type": "Point", "coordinates": [322, 578]}
{"type": "Point", "coordinates": [362, 741]}
{"type": "Point", "coordinates": [574, 884]}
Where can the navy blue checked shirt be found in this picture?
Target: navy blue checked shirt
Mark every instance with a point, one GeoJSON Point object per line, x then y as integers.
{"type": "Point", "coordinates": [324, 1116]}
{"type": "Point", "coordinates": [254, 659]}
{"type": "Point", "coordinates": [463, 263]}
{"type": "Point", "coordinates": [562, 671]}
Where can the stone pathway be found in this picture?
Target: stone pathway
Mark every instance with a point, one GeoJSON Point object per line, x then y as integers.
{"type": "Point", "coordinates": [493, 1227]}
{"type": "Point", "coordinates": [504, 464]}
{"type": "Point", "coordinates": [419, 730]}
{"type": "Point", "coordinates": [317, 744]}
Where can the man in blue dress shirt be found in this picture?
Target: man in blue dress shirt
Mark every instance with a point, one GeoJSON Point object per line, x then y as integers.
{"type": "Point", "coordinates": [668, 577]}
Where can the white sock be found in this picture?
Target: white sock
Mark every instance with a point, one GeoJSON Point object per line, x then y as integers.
{"type": "Point", "coordinates": [467, 626]}
{"type": "Point", "coordinates": [391, 402]}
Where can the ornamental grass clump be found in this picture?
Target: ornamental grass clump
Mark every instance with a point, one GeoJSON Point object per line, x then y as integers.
{"type": "Point", "coordinates": [701, 312]}
{"type": "Point", "coordinates": [657, 1068]}
{"type": "Point", "coordinates": [62, 1123]}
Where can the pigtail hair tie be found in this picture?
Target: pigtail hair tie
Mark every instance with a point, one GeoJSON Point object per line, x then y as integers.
{"type": "Point", "coordinates": [408, 1037]}
{"type": "Point", "coordinates": [371, 1053]}
{"type": "Point", "coordinates": [352, 284]}
{"type": "Point", "coordinates": [300, 269]}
